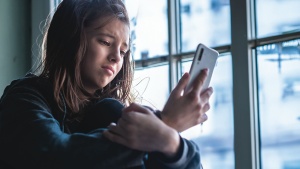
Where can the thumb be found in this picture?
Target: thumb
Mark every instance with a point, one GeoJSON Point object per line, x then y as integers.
{"type": "Point", "coordinates": [133, 111]}
{"type": "Point", "coordinates": [181, 85]}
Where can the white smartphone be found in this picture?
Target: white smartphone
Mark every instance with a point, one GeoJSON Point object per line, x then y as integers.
{"type": "Point", "coordinates": [204, 57]}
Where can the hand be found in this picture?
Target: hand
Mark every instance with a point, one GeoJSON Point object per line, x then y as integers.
{"type": "Point", "coordinates": [140, 129]}
{"type": "Point", "coordinates": [183, 111]}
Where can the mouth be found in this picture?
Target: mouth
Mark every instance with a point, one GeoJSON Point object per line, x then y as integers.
{"type": "Point", "coordinates": [109, 68]}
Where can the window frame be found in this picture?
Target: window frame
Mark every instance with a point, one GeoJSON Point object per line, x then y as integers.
{"type": "Point", "coordinates": [242, 49]}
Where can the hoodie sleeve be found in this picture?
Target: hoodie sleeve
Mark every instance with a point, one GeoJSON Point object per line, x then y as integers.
{"type": "Point", "coordinates": [188, 156]}
{"type": "Point", "coordinates": [30, 137]}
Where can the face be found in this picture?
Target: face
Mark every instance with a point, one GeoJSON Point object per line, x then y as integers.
{"type": "Point", "coordinates": [106, 48]}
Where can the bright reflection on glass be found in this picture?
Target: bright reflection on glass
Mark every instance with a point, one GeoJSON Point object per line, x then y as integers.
{"type": "Point", "coordinates": [279, 110]}
{"type": "Point", "coordinates": [205, 21]}
{"type": "Point", "coordinates": [277, 16]}
{"type": "Point", "coordinates": [151, 86]}
{"type": "Point", "coordinates": [149, 27]}
{"type": "Point", "coordinates": [215, 136]}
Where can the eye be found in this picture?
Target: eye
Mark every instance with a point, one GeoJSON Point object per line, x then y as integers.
{"type": "Point", "coordinates": [103, 42]}
{"type": "Point", "coordinates": [123, 52]}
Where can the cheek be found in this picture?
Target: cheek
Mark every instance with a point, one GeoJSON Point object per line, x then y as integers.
{"type": "Point", "coordinates": [86, 64]}
{"type": "Point", "coordinates": [91, 58]}
{"type": "Point", "coordinates": [120, 65]}
{"type": "Point", "coordinates": [85, 70]}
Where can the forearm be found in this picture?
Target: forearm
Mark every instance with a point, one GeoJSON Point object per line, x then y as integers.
{"type": "Point", "coordinates": [30, 137]}
{"type": "Point", "coordinates": [53, 150]}
{"type": "Point", "coordinates": [188, 157]}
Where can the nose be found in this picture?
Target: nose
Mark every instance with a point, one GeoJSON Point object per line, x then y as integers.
{"type": "Point", "coordinates": [115, 55]}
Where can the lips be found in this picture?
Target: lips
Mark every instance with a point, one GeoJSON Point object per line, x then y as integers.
{"type": "Point", "coordinates": [109, 68]}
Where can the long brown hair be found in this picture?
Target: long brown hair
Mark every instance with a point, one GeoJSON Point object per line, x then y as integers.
{"type": "Point", "coordinates": [64, 47]}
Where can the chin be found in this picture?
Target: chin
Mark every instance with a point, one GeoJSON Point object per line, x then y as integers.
{"type": "Point", "coordinates": [103, 85]}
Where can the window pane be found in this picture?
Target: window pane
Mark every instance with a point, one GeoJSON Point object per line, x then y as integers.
{"type": "Point", "coordinates": [149, 27]}
{"type": "Point", "coordinates": [279, 110]}
{"type": "Point", "coordinates": [205, 21]}
{"type": "Point", "coordinates": [215, 136]}
{"type": "Point", "coordinates": [277, 16]}
{"type": "Point", "coordinates": [151, 86]}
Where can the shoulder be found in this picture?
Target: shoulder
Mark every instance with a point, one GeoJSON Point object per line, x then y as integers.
{"type": "Point", "coordinates": [28, 83]}
{"type": "Point", "coordinates": [26, 97]}
{"type": "Point", "coordinates": [31, 88]}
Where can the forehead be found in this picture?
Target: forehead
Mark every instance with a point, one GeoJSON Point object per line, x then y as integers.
{"type": "Point", "coordinates": [109, 25]}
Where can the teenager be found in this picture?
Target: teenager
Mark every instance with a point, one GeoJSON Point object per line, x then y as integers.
{"type": "Point", "coordinates": [78, 112]}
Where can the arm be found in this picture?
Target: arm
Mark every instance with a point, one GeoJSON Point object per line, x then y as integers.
{"type": "Point", "coordinates": [30, 137]}
{"type": "Point", "coordinates": [140, 129]}
{"type": "Point", "coordinates": [137, 126]}
{"type": "Point", "coordinates": [187, 158]}
{"type": "Point", "coordinates": [181, 112]}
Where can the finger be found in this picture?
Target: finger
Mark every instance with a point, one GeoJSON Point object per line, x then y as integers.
{"type": "Point", "coordinates": [110, 128]}
{"type": "Point", "coordinates": [134, 107]}
{"type": "Point", "coordinates": [133, 117]}
{"type": "Point", "coordinates": [120, 122]}
{"type": "Point", "coordinates": [115, 129]}
{"type": "Point", "coordinates": [181, 85]}
{"type": "Point", "coordinates": [114, 137]}
{"type": "Point", "coordinates": [199, 80]}
{"type": "Point", "coordinates": [205, 95]}
{"type": "Point", "coordinates": [112, 124]}
{"type": "Point", "coordinates": [203, 118]}
{"type": "Point", "coordinates": [206, 107]}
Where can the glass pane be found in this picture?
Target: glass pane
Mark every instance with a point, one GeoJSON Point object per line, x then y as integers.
{"type": "Point", "coordinates": [205, 21]}
{"type": "Point", "coordinates": [151, 87]}
{"type": "Point", "coordinates": [149, 27]}
{"type": "Point", "coordinates": [277, 16]}
{"type": "Point", "coordinates": [279, 110]}
{"type": "Point", "coordinates": [215, 136]}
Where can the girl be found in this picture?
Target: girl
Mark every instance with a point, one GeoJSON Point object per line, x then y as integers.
{"type": "Point", "coordinates": [79, 113]}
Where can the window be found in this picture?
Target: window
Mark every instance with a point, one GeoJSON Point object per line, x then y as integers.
{"type": "Point", "coordinates": [277, 16]}
{"type": "Point", "coordinates": [215, 136]}
{"type": "Point", "coordinates": [254, 120]}
{"type": "Point", "coordinates": [278, 83]}
{"type": "Point", "coordinates": [150, 39]}
{"type": "Point", "coordinates": [151, 87]}
{"type": "Point", "coordinates": [206, 21]}
{"type": "Point", "coordinates": [241, 131]}
{"type": "Point", "coordinates": [200, 21]}
{"type": "Point", "coordinates": [279, 97]}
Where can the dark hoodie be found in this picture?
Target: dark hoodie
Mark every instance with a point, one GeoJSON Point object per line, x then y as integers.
{"type": "Point", "coordinates": [35, 134]}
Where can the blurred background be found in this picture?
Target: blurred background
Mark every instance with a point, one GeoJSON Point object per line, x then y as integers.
{"type": "Point", "coordinates": [254, 120]}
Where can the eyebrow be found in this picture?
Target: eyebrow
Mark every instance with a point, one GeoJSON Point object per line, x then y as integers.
{"type": "Point", "coordinates": [111, 36]}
